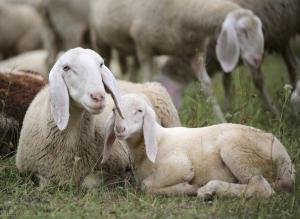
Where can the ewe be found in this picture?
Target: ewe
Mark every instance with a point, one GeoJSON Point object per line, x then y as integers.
{"type": "Point", "coordinates": [220, 159]}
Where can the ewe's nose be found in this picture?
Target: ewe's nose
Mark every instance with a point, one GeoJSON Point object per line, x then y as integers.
{"type": "Point", "coordinates": [97, 97]}
{"type": "Point", "coordinates": [120, 129]}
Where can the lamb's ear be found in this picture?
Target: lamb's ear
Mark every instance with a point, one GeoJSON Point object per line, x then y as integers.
{"type": "Point", "coordinates": [227, 48]}
{"type": "Point", "coordinates": [111, 87]}
{"type": "Point", "coordinates": [109, 138]}
{"type": "Point", "coordinates": [59, 98]}
{"type": "Point", "coordinates": [149, 134]}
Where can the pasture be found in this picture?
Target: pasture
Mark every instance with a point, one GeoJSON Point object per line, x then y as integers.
{"type": "Point", "coordinates": [20, 198]}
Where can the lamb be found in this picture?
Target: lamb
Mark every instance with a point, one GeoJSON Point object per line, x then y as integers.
{"type": "Point", "coordinates": [21, 29]}
{"type": "Point", "coordinates": [220, 159]}
{"type": "Point", "coordinates": [59, 138]}
{"type": "Point", "coordinates": [17, 90]}
{"type": "Point", "coordinates": [59, 156]}
{"type": "Point", "coordinates": [184, 35]}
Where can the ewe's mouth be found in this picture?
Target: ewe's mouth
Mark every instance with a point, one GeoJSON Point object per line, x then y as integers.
{"type": "Point", "coordinates": [121, 136]}
{"type": "Point", "coordinates": [93, 109]}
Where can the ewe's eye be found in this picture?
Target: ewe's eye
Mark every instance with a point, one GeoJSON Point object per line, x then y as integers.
{"type": "Point", "coordinates": [101, 65]}
{"type": "Point", "coordinates": [114, 110]}
{"type": "Point", "coordinates": [66, 68]}
{"type": "Point", "coordinates": [140, 111]}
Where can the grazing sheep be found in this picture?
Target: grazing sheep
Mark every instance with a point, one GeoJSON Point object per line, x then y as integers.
{"type": "Point", "coordinates": [21, 29]}
{"type": "Point", "coordinates": [17, 90]}
{"type": "Point", "coordinates": [178, 28]}
{"type": "Point", "coordinates": [59, 138]}
{"type": "Point", "coordinates": [280, 21]}
{"type": "Point", "coordinates": [220, 159]}
{"type": "Point", "coordinates": [59, 156]}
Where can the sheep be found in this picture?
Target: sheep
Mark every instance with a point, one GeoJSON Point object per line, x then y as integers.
{"type": "Point", "coordinates": [146, 29]}
{"type": "Point", "coordinates": [74, 153]}
{"type": "Point", "coordinates": [219, 159]}
{"type": "Point", "coordinates": [17, 89]}
{"type": "Point", "coordinates": [21, 29]}
{"type": "Point", "coordinates": [278, 31]}
{"type": "Point", "coordinates": [59, 137]}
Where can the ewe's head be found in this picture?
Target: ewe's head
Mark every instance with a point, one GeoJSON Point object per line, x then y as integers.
{"type": "Point", "coordinates": [139, 121]}
{"type": "Point", "coordinates": [241, 33]}
{"type": "Point", "coordinates": [79, 74]}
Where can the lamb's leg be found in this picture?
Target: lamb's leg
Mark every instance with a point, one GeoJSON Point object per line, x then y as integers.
{"type": "Point", "coordinates": [257, 187]}
{"type": "Point", "coordinates": [291, 64]}
{"type": "Point", "coordinates": [260, 85]}
{"type": "Point", "coordinates": [179, 189]}
{"type": "Point", "coordinates": [171, 177]}
{"type": "Point", "coordinates": [227, 82]}
{"type": "Point", "coordinates": [198, 64]}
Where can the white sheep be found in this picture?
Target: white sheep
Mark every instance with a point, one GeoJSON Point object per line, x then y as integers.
{"type": "Point", "coordinates": [220, 159]}
{"type": "Point", "coordinates": [73, 153]}
{"type": "Point", "coordinates": [181, 29]}
{"type": "Point", "coordinates": [59, 138]}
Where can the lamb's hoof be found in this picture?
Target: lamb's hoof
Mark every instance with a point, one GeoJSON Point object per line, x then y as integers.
{"type": "Point", "coordinates": [205, 196]}
{"type": "Point", "coordinates": [259, 187]}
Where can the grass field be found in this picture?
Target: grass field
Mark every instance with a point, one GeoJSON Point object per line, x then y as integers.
{"type": "Point", "coordinates": [20, 198]}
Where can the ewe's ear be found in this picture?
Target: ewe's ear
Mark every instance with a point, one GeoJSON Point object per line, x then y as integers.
{"type": "Point", "coordinates": [149, 134]}
{"type": "Point", "coordinates": [111, 87]}
{"type": "Point", "coordinates": [227, 49]}
{"type": "Point", "coordinates": [109, 138]}
{"type": "Point", "coordinates": [59, 98]}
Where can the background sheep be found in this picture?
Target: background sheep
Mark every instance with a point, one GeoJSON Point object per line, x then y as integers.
{"type": "Point", "coordinates": [212, 158]}
{"type": "Point", "coordinates": [22, 33]}
{"type": "Point", "coordinates": [280, 19]}
{"type": "Point", "coordinates": [146, 29]}
{"type": "Point", "coordinates": [17, 89]}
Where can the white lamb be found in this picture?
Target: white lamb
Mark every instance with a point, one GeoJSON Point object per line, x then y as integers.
{"type": "Point", "coordinates": [224, 159]}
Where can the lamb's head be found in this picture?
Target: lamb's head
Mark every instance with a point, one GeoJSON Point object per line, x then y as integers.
{"type": "Point", "coordinates": [138, 125]}
{"type": "Point", "coordinates": [241, 33]}
{"type": "Point", "coordinates": [81, 75]}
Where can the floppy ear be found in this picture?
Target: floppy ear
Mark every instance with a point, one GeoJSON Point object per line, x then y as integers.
{"type": "Point", "coordinates": [59, 98]}
{"type": "Point", "coordinates": [227, 48]}
{"type": "Point", "coordinates": [111, 87]}
{"type": "Point", "coordinates": [149, 134]}
{"type": "Point", "coordinates": [109, 138]}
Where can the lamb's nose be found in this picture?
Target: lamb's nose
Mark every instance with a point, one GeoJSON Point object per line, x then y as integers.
{"type": "Point", "coordinates": [120, 129]}
{"type": "Point", "coordinates": [97, 97]}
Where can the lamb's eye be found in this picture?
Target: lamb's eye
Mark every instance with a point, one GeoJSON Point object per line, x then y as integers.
{"type": "Point", "coordinates": [140, 111]}
{"type": "Point", "coordinates": [114, 110]}
{"type": "Point", "coordinates": [101, 64]}
{"type": "Point", "coordinates": [66, 68]}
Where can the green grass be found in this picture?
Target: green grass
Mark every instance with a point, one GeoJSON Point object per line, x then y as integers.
{"type": "Point", "coordinates": [20, 198]}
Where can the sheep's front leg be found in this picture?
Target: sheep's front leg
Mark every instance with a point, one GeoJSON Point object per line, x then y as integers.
{"type": "Point", "coordinates": [206, 85]}
{"type": "Point", "coordinates": [291, 64]}
{"type": "Point", "coordinates": [257, 187]}
{"type": "Point", "coordinates": [172, 176]}
{"type": "Point", "coordinates": [260, 85]}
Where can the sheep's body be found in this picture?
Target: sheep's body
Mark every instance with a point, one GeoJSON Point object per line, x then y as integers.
{"type": "Point", "coordinates": [227, 152]}
{"type": "Point", "coordinates": [46, 152]}
{"type": "Point", "coordinates": [17, 90]}
{"type": "Point", "coordinates": [29, 61]}
{"type": "Point", "coordinates": [219, 159]}
{"type": "Point", "coordinates": [22, 33]}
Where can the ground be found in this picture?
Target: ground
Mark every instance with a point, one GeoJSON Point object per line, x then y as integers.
{"type": "Point", "coordinates": [20, 198]}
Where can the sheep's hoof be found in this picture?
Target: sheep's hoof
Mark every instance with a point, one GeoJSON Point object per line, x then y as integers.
{"type": "Point", "coordinates": [205, 196]}
{"type": "Point", "coordinates": [259, 187]}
